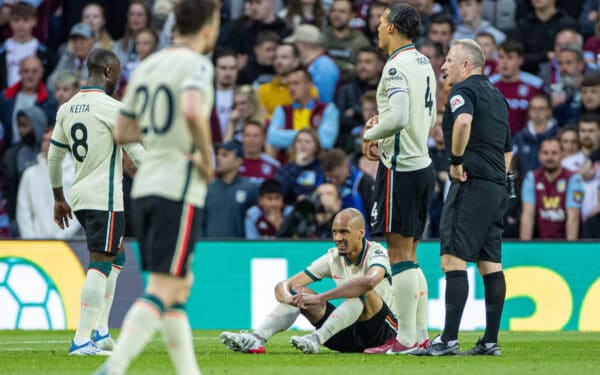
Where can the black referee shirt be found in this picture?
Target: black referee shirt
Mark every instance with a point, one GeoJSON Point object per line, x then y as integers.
{"type": "Point", "coordinates": [490, 133]}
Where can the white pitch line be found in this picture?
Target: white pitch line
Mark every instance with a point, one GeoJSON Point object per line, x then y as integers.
{"type": "Point", "coordinates": [5, 343]}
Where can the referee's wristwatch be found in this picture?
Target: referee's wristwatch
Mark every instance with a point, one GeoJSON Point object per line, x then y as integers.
{"type": "Point", "coordinates": [456, 160]}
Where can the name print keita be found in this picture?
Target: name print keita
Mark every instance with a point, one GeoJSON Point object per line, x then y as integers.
{"type": "Point", "coordinates": [79, 108]}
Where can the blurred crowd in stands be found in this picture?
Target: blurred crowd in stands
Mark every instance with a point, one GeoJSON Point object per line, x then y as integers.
{"type": "Point", "coordinates": [294, 84]}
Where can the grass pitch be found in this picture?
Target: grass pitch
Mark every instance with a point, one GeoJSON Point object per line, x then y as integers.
{"type": "Point", "coordinates": [45, 352]}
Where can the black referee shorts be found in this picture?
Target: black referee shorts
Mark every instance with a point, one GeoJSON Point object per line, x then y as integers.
{"type": "Point", "coordinates": [401, 201]}
{"type": "Point", "coordinates": [167, 231]}
{"type": "Point", "coordinates": [473, 220]}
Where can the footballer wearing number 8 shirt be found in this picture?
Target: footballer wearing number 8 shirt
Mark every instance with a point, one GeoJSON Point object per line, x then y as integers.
{"type": "Point", "coordinates": [84, 127]}
{"type": "Point", "coordinates": [406, 176]}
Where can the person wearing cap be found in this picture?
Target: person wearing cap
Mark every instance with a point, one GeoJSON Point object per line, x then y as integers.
{"type": "Point", "coordinates": [229, 196]}
{"type": "Point", "coordinates": [74, 59]}
{"type": "Point", "coordinates": [323, 70]}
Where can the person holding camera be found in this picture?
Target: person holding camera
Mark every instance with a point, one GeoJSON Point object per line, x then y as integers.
{"type": "Point", "coordinates": [313, 215]}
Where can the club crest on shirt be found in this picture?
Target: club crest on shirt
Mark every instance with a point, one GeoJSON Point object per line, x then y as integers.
{"type": "Point", "coordinates": [578, 196]}
{"type": "Point", "coordinates": [523, 90]}
{"type": "Point", "coordinates": [392, 71]}
{"type": "Point", "coordinates": [539, 186]}
{"type": "Point", "coordinates": [240, 196]}
{"type": "Point", "coordinates": [456, 102]}
{"type": "Point", "coordinates": [266, 169]}
{"type": "Point", "coordinates": [561, 185]}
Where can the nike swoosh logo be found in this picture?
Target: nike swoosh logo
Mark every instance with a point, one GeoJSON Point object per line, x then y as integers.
{"type": "Point", "coordinates": [336, 277]}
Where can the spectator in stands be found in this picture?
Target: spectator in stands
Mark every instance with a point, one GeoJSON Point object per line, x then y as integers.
{"type": "Point", "coordinates": [490, 49]}
{"type": "Point", "coordinates": [343, 42]}
{"type": "Point", "coordinates": [355, 188]}
{"type": "Point", "coordinates": [441, 29]}
{"type": "Point", "coordinates": [304, 173]}
{"type": "Point", "coordinates": [138, 19]}
{"type": "Point", "coordinates": [246, 107]}
{"type": "Point", "coordinates": [23, 94]}
{"type": "Point", "coordinates": [257, 165]}
{"type": "Point", "coordinates": [275, 93]}
{"type": "Point", "coordinates": [588, 16]}
{"type": "Point", "coordinates": [439, 158]}
{"type": "Point", "coordinates": [540, 126]}
{"type": "Point", "coordinates": [538, 29]}
{"type": "Point", "coordinates": [264, 219]}
{"type": "Point", "coordinates": [299, 12]}
{"type": "Point", "coordinates": [35, 204]}
{"type": "Point", "coordinates": [260, 69]}
{"type": "Point", "coordinates": [368, 105]}
{"type": "Point", "coordinates": [566, 96]}
{"type": "Point", "coordinates": [374, 13]}
{"type": "Point", "coordinates": [65, 86]}
{"type": "Point", "coordinates": [426, 9]}
{"type": "Point", "coordinates": [572, 157]}
{"type": "Point", "coordinates": [550, 71]}
{"type": "Point", "coordinates": [240, 35]}
{"type": "Point", "coordinates": [322, 68]}
{"type": "Point", "coordinates": [305, 112]}
{"type": "Point", "coordinates": [589, 140]}
{"type": "Point", "coordinates": [501, 13]}
{"type": "Point", "coordinates": [146, 43]}
{"type": "Point", "coordinates": [472, 22]}
{"type": "Point", "coordinates": [591, 48]}
{"type": "Point", "coordinates": [32, 123]}
{"type": "Point", "coordinates": [551, 197]}
{"type": "Point", "coordinates": [518, 87]}
{"type": "Point", "coordinates": [229, 196]}
{"type": "Point", "coordinates": [93, 15]}
{"type": "Point", "coordinates": [312, 216]}
{"type": "Point", "coordinates": [20, 45]}
{"type": "Point", "coordinates": [590, 94]}
{"type": "Point", "coordinates": [368, 68]}
{"type": "Point", "coordinates": [226, 72]}
{"type": "Point", "coordinates": [82, 41]}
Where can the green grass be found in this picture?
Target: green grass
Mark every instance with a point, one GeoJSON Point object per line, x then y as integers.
{"type": "Point", "coordinates": [44, 352]}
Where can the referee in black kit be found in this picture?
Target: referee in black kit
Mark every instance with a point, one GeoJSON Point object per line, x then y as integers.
{"type": "Point", "coordinates": [476, 130]}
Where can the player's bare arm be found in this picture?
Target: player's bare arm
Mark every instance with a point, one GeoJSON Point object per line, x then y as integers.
{"type": "Point", "coordinates": [282, 289]}
{"type": "Point", "coordinates": [126, 130]}
{"type": "Point", "coordinates": [199, 127]}
{"type": "Point", "coordinates": [461, 132]}
{"type": "Point", "coordinates": [507, 160]}
{"type": "Point", "coordinates": [351, 289]}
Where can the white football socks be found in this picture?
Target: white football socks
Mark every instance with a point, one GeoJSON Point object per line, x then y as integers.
{"type": "Point", "coordinates": [92, 295]}
{"type": "Point", "coordinates": [422, 334]}
{"type": "Point", "coordinates": [177, 335]}
{"type": "Point", "coordinates": [140, 324]}
{"type": "Point", "coordinates": [405, 289]}
{"type": "Point", "coordinates": [280, 319]}
{"type": "Point", "coordinates": [343, 316]}
{"type": "Point", "coordinates": [109, 296]}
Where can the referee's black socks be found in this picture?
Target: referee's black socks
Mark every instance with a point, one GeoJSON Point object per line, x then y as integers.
{"type": "Point", "coordinates": [457, 290]}
{"type": "Point", "coordinates": [495, 291]}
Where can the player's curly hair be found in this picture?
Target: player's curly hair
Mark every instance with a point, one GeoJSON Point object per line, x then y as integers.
{"type": "Point", "coordinates": [405, 19]}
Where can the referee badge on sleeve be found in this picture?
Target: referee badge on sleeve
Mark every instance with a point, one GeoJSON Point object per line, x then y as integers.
{"type": "Point", "coordinates": [456, 102]}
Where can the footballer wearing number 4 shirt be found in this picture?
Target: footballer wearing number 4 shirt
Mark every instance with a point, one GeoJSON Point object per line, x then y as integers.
{"type": "Point", "coordinates": [406, 176]}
